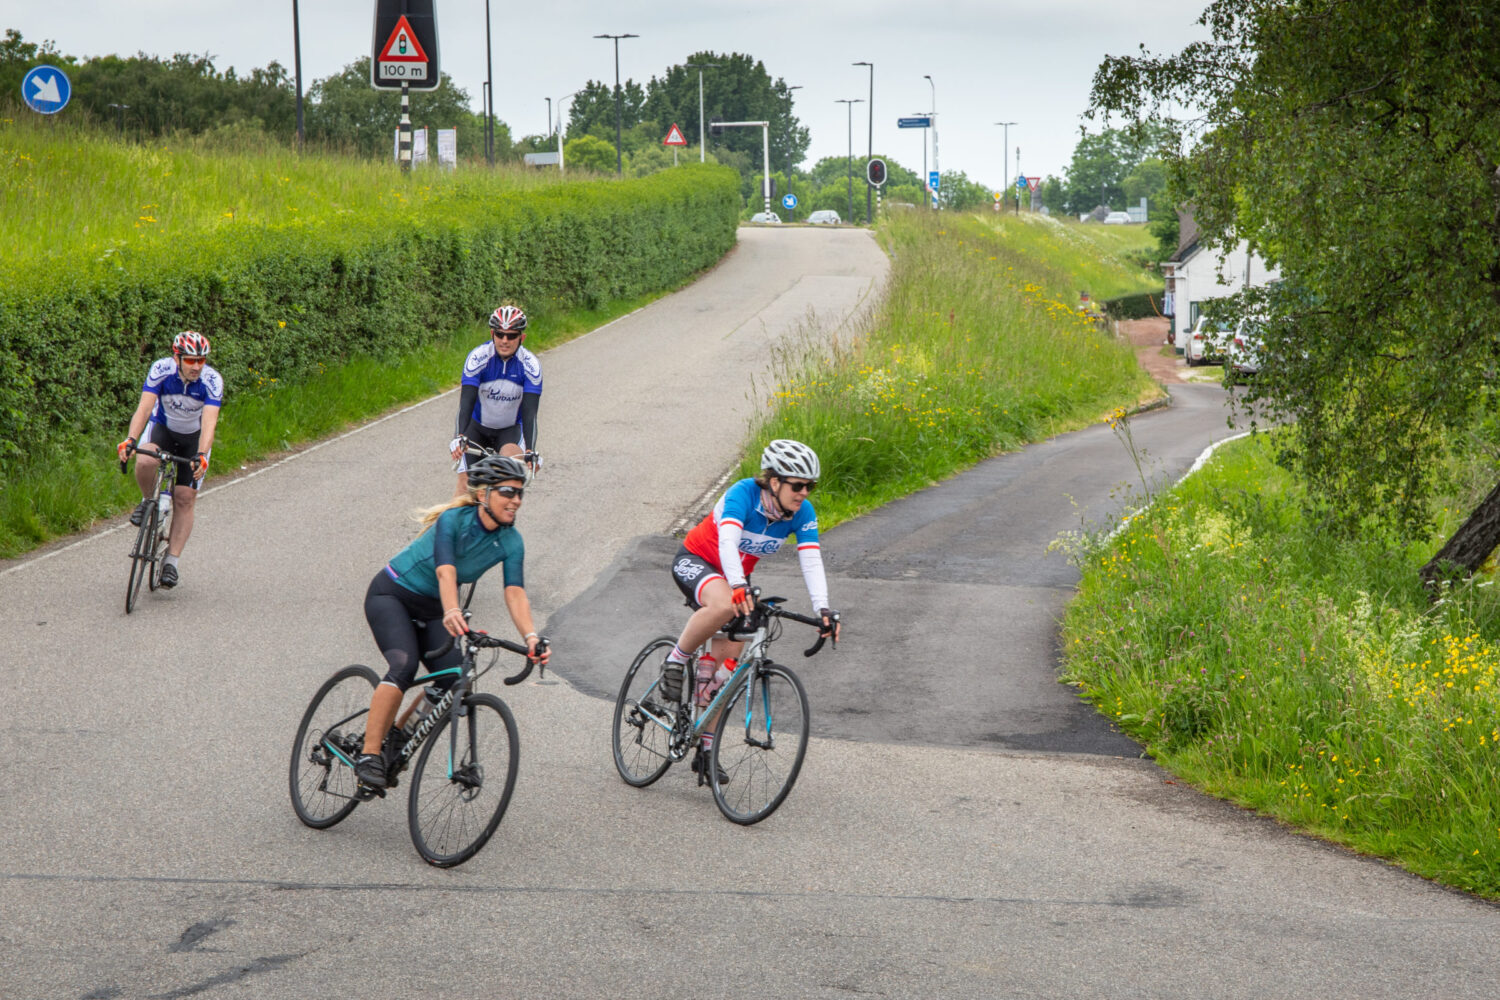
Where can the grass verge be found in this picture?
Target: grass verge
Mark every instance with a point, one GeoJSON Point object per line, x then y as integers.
{"type": "Point", "coordinates": [977, 347]}
{"type": "Point", "coordinates": [1296, 673]}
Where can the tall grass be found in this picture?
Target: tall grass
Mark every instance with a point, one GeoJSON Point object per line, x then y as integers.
{"type": "Point", "coordinates": [67, 192]}
{"type": "Point", "coordinates": [978, 347]}
{"type": "Point", "coordinates": [1298, 673]}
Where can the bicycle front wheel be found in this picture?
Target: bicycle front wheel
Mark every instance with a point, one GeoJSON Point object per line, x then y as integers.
{"type": "Point", "coordinates": [331, 736]}
{"type": "Point", "coordinates": [641, 742]}
{"type": "Point", "coordinates": [158, 547]}
{"type": "Point", "coordinates": [140, 566]}
{"type": "Point", "coordinates": [463, 782]}
{"type": "Point", "coordinates": [760, 743]}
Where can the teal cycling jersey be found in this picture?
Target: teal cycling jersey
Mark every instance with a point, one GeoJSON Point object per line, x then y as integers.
{"type": "Point", "coordinates": [458, 539]}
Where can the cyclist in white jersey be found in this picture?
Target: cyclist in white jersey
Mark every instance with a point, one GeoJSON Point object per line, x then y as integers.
{"type": "Point", "coordinates": [499, 394]}
{"type": "Point", "coordinates": [178, 412]}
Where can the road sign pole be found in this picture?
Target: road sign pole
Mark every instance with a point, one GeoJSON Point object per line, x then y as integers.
{"type": "Point", "coordinates": [405, 144]}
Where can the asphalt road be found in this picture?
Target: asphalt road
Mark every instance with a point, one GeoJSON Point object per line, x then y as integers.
{"type": "Point", "coordinates": [962, 827]}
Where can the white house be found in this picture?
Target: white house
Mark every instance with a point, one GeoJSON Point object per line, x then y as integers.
{"type": "Point", "coordinates": [1195, 274]}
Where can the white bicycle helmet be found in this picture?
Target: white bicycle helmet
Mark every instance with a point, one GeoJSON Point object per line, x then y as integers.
{"type": "Point", "coordinates": [785, 457]}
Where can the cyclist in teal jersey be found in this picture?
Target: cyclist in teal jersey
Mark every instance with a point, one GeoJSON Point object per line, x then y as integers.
{"type": "Point", "coordinates": [463, 539]}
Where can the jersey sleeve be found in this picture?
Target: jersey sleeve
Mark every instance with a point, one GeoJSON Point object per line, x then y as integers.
{"type": "Point", "coordinates": [531, 372]}
{"type": "Point", "coordinates": [474, 366]}
{"type": "Point", "coordinates": [162, 370]}
{"type": "Point", "coordinates": [214, 383]}
{"type": "Point", "coordinates": [515, 561]}
{"type": "Point", "coordinates": [810, 557]}
{"type": "Point", "coordinates": [445, 539]}
{"type": "Point", "coordinates": [739, 502]}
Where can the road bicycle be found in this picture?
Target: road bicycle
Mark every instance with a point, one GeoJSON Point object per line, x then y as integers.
{"type": "Point", "coordinates": [148, 554]}
{"type": "Point", "coordinates": [760, 717]}
{"type": "Point", "coordinates": [466, 751]}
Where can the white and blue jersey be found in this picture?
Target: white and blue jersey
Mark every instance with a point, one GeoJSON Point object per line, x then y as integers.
{"type": "Point", "coordinates": [501, 383]}
{"type": "Point", "coordinates": [738, 532]}
{"type": "Point", "coordinates": [180, 403]}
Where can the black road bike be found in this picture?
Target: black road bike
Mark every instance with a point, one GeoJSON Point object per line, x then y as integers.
{"type": "Point", "coordinates": [466, 750]}
{"type": "Point", "coordinates": [148, 554]}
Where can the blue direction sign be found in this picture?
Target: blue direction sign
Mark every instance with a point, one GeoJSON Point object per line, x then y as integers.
{"type": "Point", "coordinates": [788, 201]}
{"type": "Point", "coordinates": [46, 89]}
{"type": "Point", "coordinates": [922, 121]}
{"type": "Point", "coordinates": [1020, 184]}
{"type": "Point", "coordinates": [933, 180]}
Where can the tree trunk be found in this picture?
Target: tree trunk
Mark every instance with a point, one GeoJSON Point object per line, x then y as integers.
{"type": "Point", "coordinates": [1470, 545]}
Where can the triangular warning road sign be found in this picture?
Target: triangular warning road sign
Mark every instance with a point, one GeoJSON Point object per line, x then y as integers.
{"type": "Point", "coordinates": [674, 137]}
{"type": "Point", "coordinates": [402, 46]}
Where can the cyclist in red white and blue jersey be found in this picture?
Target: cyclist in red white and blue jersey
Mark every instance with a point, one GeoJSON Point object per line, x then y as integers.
{"type": "Point", "coordinates": [712, 567]}
{"type": "Point", "coordinates": [178, 413]}
{"type": "Point", "coordinates": [499, 394]}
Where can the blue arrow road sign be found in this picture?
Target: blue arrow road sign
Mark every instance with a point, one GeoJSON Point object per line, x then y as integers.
{"type": "Point", "coordinates": [46, 89]}
{"type": "Point", "coordinates": [788, 201]}
{"type": "Point", "coordinates": [933, 180]}
{"type": "Point", "coordinates": [916, 122]}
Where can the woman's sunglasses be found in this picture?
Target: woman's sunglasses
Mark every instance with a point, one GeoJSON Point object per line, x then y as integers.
{"type": "Point", "coordinates": [800, 486]}
{"type": "Point", "coordinates": [509, 491]}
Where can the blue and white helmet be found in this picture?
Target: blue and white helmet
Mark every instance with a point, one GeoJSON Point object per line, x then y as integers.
{"type": "Point", "coordinates": [786, 457]}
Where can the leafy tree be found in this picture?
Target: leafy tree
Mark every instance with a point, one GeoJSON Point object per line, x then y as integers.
{"type": "Point", "coordinates": [589, 152]}
{"type": "Point", "coordinates": [738, 89]}
{"type": "Point", "coordinates": [593, 109]}
{"type": "Point", "coordinates": [185, 93]}
{"type": "Point", "coordinates": [1054, 195]}
{"type": "Point", "coordinates": [959, 194]}
{"type": "Point", "coordinates": [1102, 162]}
{"type": "Point", "coordinates": [17, 58]}
{"type": "Point", "coordinates": [1357, 146]}
{"type": "Point", "coordinates": [345, 111]}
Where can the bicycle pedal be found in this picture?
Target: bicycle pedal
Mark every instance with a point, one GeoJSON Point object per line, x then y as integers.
{"type": "Point", "coordinates": [368, 792]}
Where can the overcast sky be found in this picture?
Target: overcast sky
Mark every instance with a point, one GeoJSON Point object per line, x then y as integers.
{"type": "Point", "coordinates": [1026, 63]}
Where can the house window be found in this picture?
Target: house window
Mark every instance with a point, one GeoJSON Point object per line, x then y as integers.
{"type": "Point", "coordinates": [1193, 309]}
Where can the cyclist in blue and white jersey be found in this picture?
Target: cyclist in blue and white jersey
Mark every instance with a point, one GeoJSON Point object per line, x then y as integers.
{"type": "Point", "coordinates": [499, 393]}
{"type": "Point", "coordinates": [712, 567]}
{"type": "Point", "coordinates": [178, 413]}
{"type": "Point", "coordinates": [461, 540]}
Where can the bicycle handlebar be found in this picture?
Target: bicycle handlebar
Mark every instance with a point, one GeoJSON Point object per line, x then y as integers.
{"type": "Point", "coordinates": [771, 607]}
{"type": "Point", "coordinates": [157, 453]}
{"type": "Point", "coordinates": [483, 640]}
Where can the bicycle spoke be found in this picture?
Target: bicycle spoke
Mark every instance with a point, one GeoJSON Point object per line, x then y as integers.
{"type": "Point", "coordinates": [455, 807]}
{"type": "Point", "coordinates": [323, 787]}
{"type": "Point", "coordinates": [760, 745]}
{"type": "Point", "coordinates": [642, 729]}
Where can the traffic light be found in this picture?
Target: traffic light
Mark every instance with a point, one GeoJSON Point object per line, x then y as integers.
{"type": "Point", "coordinates": [714, 128]}
{"type": "Point", "coordinates": [876, 172]}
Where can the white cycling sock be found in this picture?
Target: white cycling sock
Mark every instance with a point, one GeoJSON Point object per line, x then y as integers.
{"type": "Point", "coordinates": [677, 655]}
{"type": "Point", "coordinates": [171, 561]}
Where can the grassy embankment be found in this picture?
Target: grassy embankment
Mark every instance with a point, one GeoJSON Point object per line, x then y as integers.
{"type": "Point", "coordinates": [977, 347]}
{"type": "Point", "coordinates": [1303, 675]}
{"type": "Point", "coordinates": [407, 261]}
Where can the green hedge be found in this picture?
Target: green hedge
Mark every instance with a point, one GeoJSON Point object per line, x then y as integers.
{"type": "Point", "coordinates": [1141, 306]}
{"type": "Point", "coordinates": [282, 302]}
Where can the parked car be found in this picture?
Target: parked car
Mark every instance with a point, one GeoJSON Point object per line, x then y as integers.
{"type": "Point", "coordinates": [768, 217]}
{"type": "Point", "coordinates": [1208, 343]}
{"type": "Point", "coordinates": [1117, 219]}
{"type": "Point", "coordinates": [1244, 353]}
{"type": "Point", "coordinates": [825, 217]}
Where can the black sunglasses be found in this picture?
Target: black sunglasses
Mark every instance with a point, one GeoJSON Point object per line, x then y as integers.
{"type": "Point", "coordinates": [509, 491]}
{"type": "Point", "coordinates": [800, 486]}
{"type": "Point", "coordinates": [506, 336]}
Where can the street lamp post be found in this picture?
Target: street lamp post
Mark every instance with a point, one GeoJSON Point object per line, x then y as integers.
{"type": "Point", "coordinates": [120, 110]}
{"type": "Point", "coordinates": [1004, 162]}
{"type": "Point", "coordinates": [619, 157]}
{"type": "Point", "coordinates": [937, 169]}
{"type": "Point", "coordinates": [870, 188]}
{"type": "Point", "coordinates": [789, 144]}
{"type": "Point", "coordinates": [700, 67]}
{"type": "Point", "coordinates": [567, 97]}
{"type": "Point", "coordinates": [549, 117]}
{"type": "Point", "coordinates": [297, 64]}
{"type": "Point", "coordinates": [850, 159]}
{"type": "Point", "coordinates": [489, 101]}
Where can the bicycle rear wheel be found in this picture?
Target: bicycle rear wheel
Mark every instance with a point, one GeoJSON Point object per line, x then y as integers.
{"type": "Point", "coordinates": [760, 743]}
{"type": "Point", "coordinates": [462, 785]}
{"type": "Point", "coordinates": [641, 744]}
{"type": "Point", "coordinates": [140, 566]}
{"type": "Point", "coordinates": [332, 734]}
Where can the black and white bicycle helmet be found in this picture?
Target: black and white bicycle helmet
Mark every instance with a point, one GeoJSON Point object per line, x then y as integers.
{"type": "Point", "coordinates": [508, 319]}
{"type": "Point", "coordinates": [785, 457]}
{"type": "Point", "coordinates": [492, 469]}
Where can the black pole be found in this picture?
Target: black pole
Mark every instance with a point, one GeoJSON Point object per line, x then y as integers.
{"type": "Point", "coordinates": [489, 108]}
{"type": "Point", "coordinates": [619, 153]}
{"type": "Point", "coordinates": [297, 64]}
{"type": "Point", "coordinates": [849, 161]}
{"type": "Point", "coordinates": [870, 153]}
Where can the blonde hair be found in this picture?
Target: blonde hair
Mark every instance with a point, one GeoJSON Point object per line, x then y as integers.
{"type": "Point", "coordinates": [427, 518]}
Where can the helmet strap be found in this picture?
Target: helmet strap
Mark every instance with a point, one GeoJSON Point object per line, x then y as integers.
{"type": "Point", "coordinates": [772, 507]}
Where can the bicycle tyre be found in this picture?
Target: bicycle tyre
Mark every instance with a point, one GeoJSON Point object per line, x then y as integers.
{"type": "Point", "coordinates": [446, 827]}
{"type": "Point", "coordinates": [323, 787]}
{"type": "Point", "coordinates": [139, 566]}
{"type": "Point", "coordinates": [759, 776]}
{"type": "Point", "coordinates": [640, 746]}
{"type": "Point", "coordinates": [160, 542]}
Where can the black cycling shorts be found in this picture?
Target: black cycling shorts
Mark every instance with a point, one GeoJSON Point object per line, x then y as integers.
{"type": "Point", "coordinates": [161, 436]}
{"type": "Point", "coordinates": [690, 572]}
{"type": "Point", "coordinates": [394, 613]}
{"type": "Point", "coordinates": [489, 437]}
